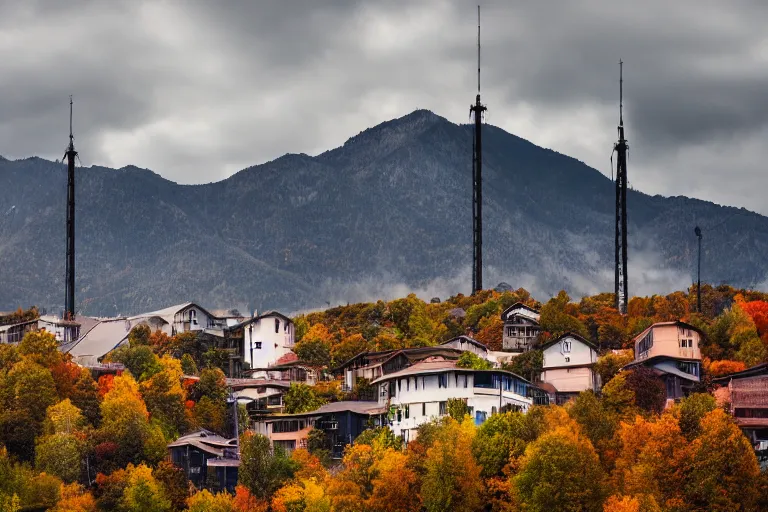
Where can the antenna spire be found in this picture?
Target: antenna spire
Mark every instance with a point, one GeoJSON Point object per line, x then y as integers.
{"type": "Point", "coordinates": [621, 93]}
{"type": "Point", "coordinates": [71, 137]}
{"type": "Point", "coordinates": [478, 49]}
{"type": "Point", "coordinates": [477, 179]}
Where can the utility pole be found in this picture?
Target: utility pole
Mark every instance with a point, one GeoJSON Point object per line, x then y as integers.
{"type": "Point", "coordinates": [70, 154]}
{"type": "Point", "coordinates": [477, 180]}
{"type": "Point", "coordinates": [697, 230]}
{"type": "Point", "coordinates": [622, 295]}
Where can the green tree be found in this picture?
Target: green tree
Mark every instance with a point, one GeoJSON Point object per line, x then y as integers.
{"type": "Point", "coordinates": [41, 347]}
{"type": "Point", "coordinates": [143, 493]}
{"type": "Point", "coordinates": [691, 411]}
{"type": "Point", "coordinates": [262, 469]}
{"type": "Point", "coordinates": [503, 437]}
{"type": "Point", "coordinates": [597, 421]}
{"type": "Point", "coordinates": [139, 335]}
{"type": "Point", "coordinates": [213, 384]}
{"type": "Point", "coordinates": [174, 483]}
{"type": "Point", "coordinates": [85, 396]}
{"type": "Point", "coordinates": [210, 415]}
{"type": "Point", "coordinates": [188, 365]}
{"type": "Point", "coordinates": [471, 360]}
{"type": "Point", "coordinates": [64, 417]}
{"type": "Point", "coordinates": [560, 471]}
{"type": "Point", "coordinates": [313, 352]}
{"type": "Point", "coordinates": [457, 408]}
{"type": "Point", "coordinates": [61, 455]}
{"type": "Point", "coordinates": [452, 476]}
{"type": "Point", "coordinates": [609, 364]}
{"type": "Point", "coordinates": [301, 398]}
{"type": "Point", "coordinates": [141, 361]}
{"type": "Point", "coordinates": [527, 365]}
{"type": "Point", "coordinates": [125, 419]}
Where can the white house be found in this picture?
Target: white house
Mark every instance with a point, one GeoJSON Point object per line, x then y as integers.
{"type": "Point", "coordinates": [177, 319]}
{"type": "Point", "coordinates": [420, 392]}
{"type": "Point", "coordinates": [569, 366]}
{"type": "Point", "coordinates": [467, 344]}
{"type": "Point", "coordinates": [521, 327]}
{"type": "Point", "coordinates": [267, 338]}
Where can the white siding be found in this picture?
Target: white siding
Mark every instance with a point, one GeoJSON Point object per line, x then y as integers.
{"type": "Point", "coordinates": [266, 345]}
{"type": "Point", "coordinates": [580, 353]}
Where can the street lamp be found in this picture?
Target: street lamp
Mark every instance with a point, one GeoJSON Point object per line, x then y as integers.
{"type": "Point", "coordinates": [698, 288]}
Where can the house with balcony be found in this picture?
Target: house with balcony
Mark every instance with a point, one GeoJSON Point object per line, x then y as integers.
{"type": "Point", "coordinates": [745, 394]}
{"type": "Point", "coordinates": [341, 423]}
{"type": "Point", "coordinates": [671, 349]}
{"type": "Point", "coordinates": [202, 453]}
{"type": "Point", "coordinates": [420, 393]}
{"type": "Point", "coordinates": [521, 327]}
{"type": "Point", "coordinates": [568, 367]}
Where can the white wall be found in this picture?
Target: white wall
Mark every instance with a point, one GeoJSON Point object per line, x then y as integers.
{"type": "Point", "coordinates": [569, 380]}
{"type": "Point", "coordinates": [466, 346]}
{"type": "Point", "coordinates": [580, 353]}
{"type": "Point", "coordinates": [430, 394]}
{"type": "Point", "coordinates": [200, 320]}
{"type": "Point", "coordinates": [274, 345]}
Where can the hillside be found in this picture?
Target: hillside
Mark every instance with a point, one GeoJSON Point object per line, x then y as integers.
{"type": "Point", "coordinates": [389, 207]}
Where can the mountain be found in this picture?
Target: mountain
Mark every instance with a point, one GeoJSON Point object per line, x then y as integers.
{"type": "Point", "coordinates": [391, 207]}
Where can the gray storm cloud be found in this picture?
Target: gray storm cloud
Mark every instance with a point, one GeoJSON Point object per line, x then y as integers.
{"type": "Point", "coordinates": [196, 91]}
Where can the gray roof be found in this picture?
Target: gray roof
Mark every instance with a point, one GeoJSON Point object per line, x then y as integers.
{"type": "Point", "coordinates": [358, 407]}
{"type": "Point", "coordinates": [99, 341]}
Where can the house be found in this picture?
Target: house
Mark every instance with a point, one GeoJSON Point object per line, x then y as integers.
{"type": "Point", "coordinates": [372, 365]}
{"type": "Point", "coordinates": [671, 349]}
{"type": "Point", "coordinates": [260, 396]}
{"type": "Point", "coordinates": [202, 453]}
{"type": "Point", "coordinates": [521, 327]}
{"type": "Point", "coordinates": [265, 339]}
{"type": "Point", "coordinates": [467, 344]}
{"type": "Point", "coordinates": [341, 422]}
{"type": "Point", "coordinates": [65, 331]}
{"type": "Point", "coordinates": [420, 392]}
{"type": "Point", "coordinates": [180, 318]}
{"type": "Point", "coordinates": [746, 392]}
{"type": "Point", "coordinates": [568, 366]}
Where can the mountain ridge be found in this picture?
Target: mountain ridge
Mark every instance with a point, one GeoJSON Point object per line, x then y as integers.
{"type": "Point", "coordinates": [391, 205]}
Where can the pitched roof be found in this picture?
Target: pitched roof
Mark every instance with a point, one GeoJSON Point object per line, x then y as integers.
{"type": "Point", "coordinates": [568, 335]}
{"type": "Point", "coordinates": [355, 406]}
{"type": "Point", "coordinates": [466, 339]}
{"type": "Point", "coordinates": [760, 369]}
{"type": "Point", "coordinates": [259, 318]}
{"type": "Point", "coordinates": [99, 341]}
{"type": "Point", "coordinates": [520, 305]}
{"type": "Point", "coordinates": [662, 324]}
{"type": "Point", "coordinates": [436, 365]}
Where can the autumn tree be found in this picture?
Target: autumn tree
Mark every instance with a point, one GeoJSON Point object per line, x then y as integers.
{"type": "Point", "coordinates": [560, 471]}
{"type": "Point", "coordinates": [205, 501]}
{"type": "Point", "coordinates": [262, 469]}
{"type": "Point", "coordinates": [452, 478]}
{"type": "Point", "coordinates": [725, 367]}
{"type": "Point", "coordinates": [74, 498]}
{"type": "Point", "coordinates": [505, 436]}
{"type": "Point", "coordinates": [164, 397]}
{"type": "Point", "coordinates": [40, 347]}
{"type": "Point", "coordinates": [609, 364]}
{"type": "Point", "coordinates": [557, 321]}
{"type": "Point", "coordinates": [143, 493]}
{"type": "Point", "coordinates": [188, 365]}
{"type": "Point", "coordinates": [174, 483]}
{"type": "Point", "coordinates": [723, 467]}
{"type": "Point", "coordinates": [125, 420]}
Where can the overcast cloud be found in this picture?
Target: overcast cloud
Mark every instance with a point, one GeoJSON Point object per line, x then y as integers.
{"type": "Point", "coordinates": [197, 90]}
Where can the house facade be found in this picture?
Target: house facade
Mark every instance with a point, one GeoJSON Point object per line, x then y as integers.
{"type": "Point", "coordinates": [746, 395]}
{"type": "Point", "coordinates": [419, 393]}
{"type": "Point", "coordinates": [204, 452]}
{"type": "Point", "coordinates": [568, 366]}
{"type": "Point", "coordinates": [671, 349]}
{"type": "Point", "coordinates": [65, 331]}
{"type": "Point", "coordinates": [521, 327]}
{"type": "Point", "coordinates": [266, 339]}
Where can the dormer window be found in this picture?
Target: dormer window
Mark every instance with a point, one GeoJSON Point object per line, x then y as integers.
{"type": "Point", "coordinates": [566, 347]}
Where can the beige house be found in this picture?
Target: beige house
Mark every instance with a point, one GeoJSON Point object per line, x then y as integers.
{"type": "Point", "coordinates": [568, 367]}
{"type": "Point", "coordinates": [672, 350]}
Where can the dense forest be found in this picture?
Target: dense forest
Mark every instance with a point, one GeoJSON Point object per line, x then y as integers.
{"type": "Point", "coordinates": [72, 443]}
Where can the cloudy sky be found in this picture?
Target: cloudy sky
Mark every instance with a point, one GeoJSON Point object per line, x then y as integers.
{"type": "Point", "coordinates": [196, 90]}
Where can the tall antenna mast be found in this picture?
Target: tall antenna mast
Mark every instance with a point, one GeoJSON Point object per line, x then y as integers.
{"type": "Point", "coordinates": [477, 180]}
{"type": "Point", "coordinates": [622, 295]}
{"type": "Point", "coordinates": [70, 155]}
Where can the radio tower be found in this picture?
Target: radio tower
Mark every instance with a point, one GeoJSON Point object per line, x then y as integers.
{"type": "Point", "coordinates": [70, 154]}
{"type": "Point", "coordinates": [620, 148]}
{"type": "Point", "coordinates": [477, 180]}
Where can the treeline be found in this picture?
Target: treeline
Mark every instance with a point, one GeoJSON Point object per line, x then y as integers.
{"type": "Point", "coordinates": [735, 322]}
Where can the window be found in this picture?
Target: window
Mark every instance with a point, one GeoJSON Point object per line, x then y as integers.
{"type": "Point", "coordinates": [407, 412]}
{"type": "Point", "coordinates": [416, 383]}
{"type": "Point", "coordinates": [645, 344]}
{"type": "Point", "coordinates": [399, 385]}
{"type": "Point", "coordinates": [442, 380]}
{"type": "Point", "coordinates": [407, 385]}
{"type": "Point", "coordinates": [193, 316]}
{"type": "Point", "coordinates": [443, 408]}
{"type": "Point", "coordinates": [257, 345]}
{"type": "Point", "coordinates": [277, 326]}
{"type": "Point", "coordinates": [285, 327]}
{"type": "Point", "coordinates": [424, 409]}
{"type": "Point", "coordinates": [392, 388]}
{"type": "Point", "coordinates": [566, 347]}
{"type": "Point", "coordinates": [466, 378]}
